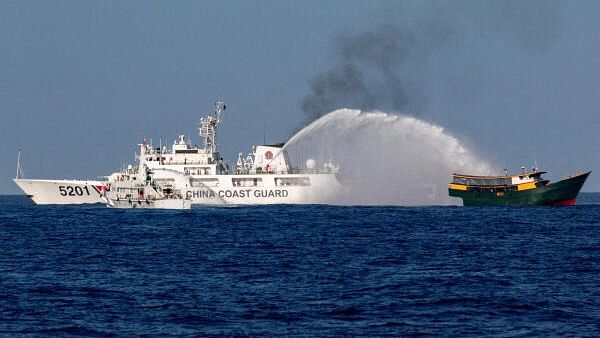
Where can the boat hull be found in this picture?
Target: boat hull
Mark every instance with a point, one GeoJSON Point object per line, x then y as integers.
{"type": "Point", "coordinates": [562, 192]}
{"type": "Point", "coordinates": [62, 191]}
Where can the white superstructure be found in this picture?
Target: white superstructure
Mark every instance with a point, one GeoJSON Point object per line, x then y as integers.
{"type": "Point", "coordinates": [264, 176]}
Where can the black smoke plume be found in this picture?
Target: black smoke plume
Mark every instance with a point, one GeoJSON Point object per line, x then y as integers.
{"type": "Point", "coordinates": [389, 67]}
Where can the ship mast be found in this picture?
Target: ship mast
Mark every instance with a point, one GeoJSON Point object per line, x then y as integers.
{"type": "Point", "coordinates": [208, 127]}
{"type": "Point", "coordinates": [19, 169]}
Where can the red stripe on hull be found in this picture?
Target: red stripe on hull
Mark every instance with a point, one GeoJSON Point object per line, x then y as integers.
{"type": "Point", "coordinates": [565, 202]}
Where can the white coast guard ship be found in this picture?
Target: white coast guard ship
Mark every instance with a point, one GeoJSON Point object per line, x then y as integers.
{"type": "Point", "coordinates": [264, 176]}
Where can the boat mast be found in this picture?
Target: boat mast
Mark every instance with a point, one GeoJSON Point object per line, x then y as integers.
{"type": "Point", "coordinates": [208, 127]}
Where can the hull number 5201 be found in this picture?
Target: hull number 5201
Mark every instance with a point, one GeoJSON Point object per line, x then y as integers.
{"type": "Point", "coordinates": [73, 191]}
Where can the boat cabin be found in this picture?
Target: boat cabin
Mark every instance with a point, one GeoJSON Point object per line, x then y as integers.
{"type": "Point", "coordinates": [522, 181]}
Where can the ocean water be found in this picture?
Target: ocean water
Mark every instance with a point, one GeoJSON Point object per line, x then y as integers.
{"type": "Point", "coordinates": [299, 271]}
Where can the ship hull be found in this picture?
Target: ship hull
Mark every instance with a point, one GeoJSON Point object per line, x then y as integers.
{"type": "Point", "coordinates": [562, 192]}
{"type": "Point", "coordinates": [62, 191]}
{"type": "Point", "coordinates": [322, 189]}
{"type": "Point", "coordinates": [220, 190]}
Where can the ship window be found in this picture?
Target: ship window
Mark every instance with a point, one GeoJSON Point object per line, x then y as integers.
{"type": "Point", "coordinates": [206, 182]}
{"type": "Point", "coordinates": [197, 170]}
{"type": "Point", "coordinates": [246, 182]}
{"type": "Point", "coordinates": [292, 181]}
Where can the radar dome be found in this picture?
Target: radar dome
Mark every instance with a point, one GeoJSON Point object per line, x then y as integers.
{"type": "Point", "coordinates": [311, 164]}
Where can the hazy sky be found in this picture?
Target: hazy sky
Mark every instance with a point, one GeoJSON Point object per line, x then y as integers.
{"type": "Point", "coordinates": [82, 82]}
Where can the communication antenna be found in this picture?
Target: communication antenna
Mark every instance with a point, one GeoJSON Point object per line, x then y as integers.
{"type": "Point", "coordinates": [208, 127]}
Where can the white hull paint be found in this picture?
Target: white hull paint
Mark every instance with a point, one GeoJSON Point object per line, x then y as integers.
{"type": "Point", "coordinates": [62, 191]}
{"type": "Point", "coordinates": [320, 191]}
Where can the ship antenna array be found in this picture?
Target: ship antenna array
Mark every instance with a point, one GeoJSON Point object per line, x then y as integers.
{"type": "Point", "coordinates": [208, 127]}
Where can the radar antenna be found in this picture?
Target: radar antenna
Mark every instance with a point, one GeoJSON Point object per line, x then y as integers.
{"type": "Point", "coordinates": [208, 127]}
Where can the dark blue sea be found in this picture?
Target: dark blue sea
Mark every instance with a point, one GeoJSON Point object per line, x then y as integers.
{"type": "Point", "coordinates": [280, 270]}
